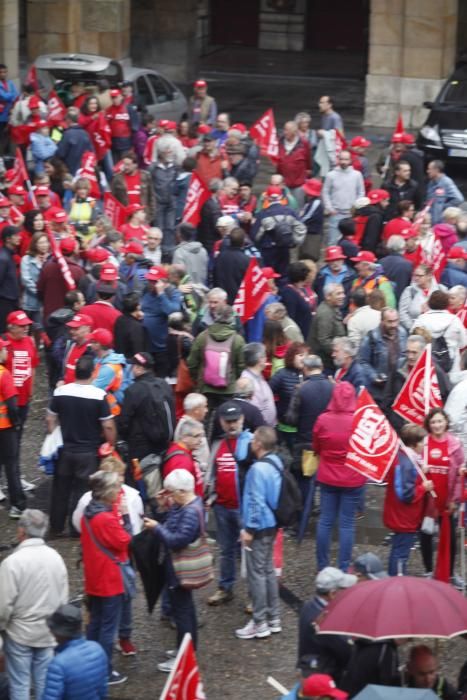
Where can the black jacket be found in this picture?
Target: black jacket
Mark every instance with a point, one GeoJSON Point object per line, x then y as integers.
{"type": "Point", "coordinates": [283, 384]}
{"type": "Point", "coordinates": [229, 268]}
{"type": "Point", "coordinates": [308, 402]}
{"type": "Point", "coordinates": [130, 336]}
{"type": "Point", "coordinates": [373, 228]}
{"type": "Point", "coordinates": [399, 271]}
{"type": "Point", "coordinates": [74, 142]}
{"type": "Point", "coordinates": [9, 287]}
{"type": "Point", "coordinates": [408, 190]}
{"type": "Point", "coordinates": [297, 308]}
{"type": "Point", "coordinates": [372, 663]}
{"type": "Point", "coordinates": [207, 231]}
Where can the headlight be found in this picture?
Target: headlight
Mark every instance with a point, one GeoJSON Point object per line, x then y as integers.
{"type": "Point", "coordinates": [430, 133]}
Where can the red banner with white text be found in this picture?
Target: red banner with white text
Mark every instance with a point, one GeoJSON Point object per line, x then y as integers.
{"type": "Point", "coordinates": [264, 132]}
{"type": "Point", "coordinates": [420, 391]}
{"type": "Point", "coordinates": [184, 682]}
{"type": "Point", "coordinates": [196, 196]}
{"type": "Point", "coordinates": [252, 292]}
{"type": "Point", "coordinates": [114, 210]}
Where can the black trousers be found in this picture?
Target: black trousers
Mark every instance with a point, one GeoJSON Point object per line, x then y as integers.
{"type": "Point", "coordinates": [70, 481]}
{"type": "Point", "coordinates": [184, 613]}
{"type": "Point", "coordinates": [426, 547]}
{"type": "Point", "coordinates": [6, 306]}
{"type": "Point", "coordinates": [9, 460]}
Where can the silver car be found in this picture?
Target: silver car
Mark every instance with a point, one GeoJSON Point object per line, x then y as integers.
{"type": "Point", "coordinates": [152, 92]}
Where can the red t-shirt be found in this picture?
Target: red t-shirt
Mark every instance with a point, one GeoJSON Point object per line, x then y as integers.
{"type": "Point", "coordinates": [22, 359]}
{"type": "Point", "coordinates": [103, 314]}
{"type": "Point", "coordinates": [71, 359]}
{"type": "Point", "coordinates": [184, 461]}
{"type": "Point", "coordinates": [226, 474]}
{"type": "Point", "coordinates": [133, 188]}
{"type": "Point", "coordinates": [139, 233]}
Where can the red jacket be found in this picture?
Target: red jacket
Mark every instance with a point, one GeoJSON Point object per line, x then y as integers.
{"type": "Point", "coordinates": [331, 436]}
{"type": "Point", "coordinates": [294, 165]}
{"type": "Point", "coordinates": [51, 287]}
{"type": "Point", "coordinates": [119, 120]}
{"type": "Point", "coordinates": [404, 505]}
{"type": "Point", "coordinates": [102, 576]}
{"type": "Point", "coordinates": [103, 314]}
{"type": "Point", "coordinates": [183, 461]}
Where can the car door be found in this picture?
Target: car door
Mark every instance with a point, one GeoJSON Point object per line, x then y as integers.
{"type": "Point", "coordinates": [166, 98]}
{"type": "Point", "coordinates": [144, 96]}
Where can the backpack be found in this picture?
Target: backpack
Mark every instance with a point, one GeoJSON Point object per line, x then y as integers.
{"type": "Point", "coordinates": [282, 234]}
{"type": "Point", "coordinates": [157, 418]}
{"type": "Point", "coordinates": [440, 351]}
{"type": "Point", "coordinates": [151, 469]}
{"type": "Point", "coordinates": [217, 361]}
{"type": "Point", "coordinates": [289, 503]}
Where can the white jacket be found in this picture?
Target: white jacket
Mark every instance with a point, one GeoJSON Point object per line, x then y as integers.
{"type": "Point", "coordinates": [442, 323]}
{"type": "Point", "coordinates": [456, 408]}
{"type": "Point", "coordinates": [134, 503]}
{"type": "Point", "coordinates": [361, 322]}
{"type": "Point", "coordinates": [33, 584]}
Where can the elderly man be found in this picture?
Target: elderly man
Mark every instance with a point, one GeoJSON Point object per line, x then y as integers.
{"type": "Point", "coordinates": [364, 318]}
{"type": "Point", "coordinates": [422, 671]}
{"type": "Point", "coordinates": [395, 266]}
{"type": "Point", "coordinates": [294, 160]}
{"type": "Point", "coordinates": [195, 408]}
{"type": "Point", "coordinates": [263, 398]}
{"type": "Point", "coordinates": [441, 191]}
{"type": "Point", "coordinates": [216, 300]}
{"type": "Point", "coordinates": [457, 302]}
{"type": "Point", "coordinates": [370, 277]}
{"type": "Point", "coordinates": [33, 581]}
{"type": "Point", "coordinates": [244, 390]}
{"type": "Point", "coordinates": [342, 187]}
{"type": "Point", "coordinates": [327, 324]}
{"type": "Point", "coordinates": [310, 399]}
{"type": "Point", "coordinates": [383, 351]}
{"type": "Point", "coordinates": [344, 353]}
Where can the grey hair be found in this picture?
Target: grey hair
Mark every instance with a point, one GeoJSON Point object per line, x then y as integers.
{"type": "Point", "coordinates": [224, 315]}
{"type": "Point", "coordinates": [103, 484]}
{"type": "Point", "coordinates": [276, 311]}
{"type": "Point", "coordinates": [188, 427]}
{"type": "Point", "coordinates": [313, 362]}
{"type": "Point", "coordinates": [331, 288]}
{"type": "Point", "coordinates": [396, 244]}
{"type": "Point", "coordinates": [179, 480]}
{"type": "Point", "coordinates": [193, 400]}
{"type": "Point", "coordinates": [302, 115]}
{"type": "Point", "coordinates": [458, 289]}
{"type": "Point", "coordinates": [244, 388]}
{"type": "Point", "coordinates": [230, 181]}
{"type": "Point", "coordinates": [452, 213]}
{"type": "Point", "coordinates": [217, 292]}
{"type": "Point", "coordinates": [346, 345]}
{"type": "Point", "coordinates": [253, 353]}
{"type": "Point", "coordinates": [34, 522]}
{"type": "Point", "coordinates": [215, 184]}
{"type": "Point", "coordinates": [417, 339]}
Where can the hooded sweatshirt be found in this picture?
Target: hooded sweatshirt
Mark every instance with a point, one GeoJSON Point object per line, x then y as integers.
{"type": "Point", "coordinates": [196, 359]}
{"type": "Point", "coordinates": [105, 374]}
{"type": "Point", "coordinates": [331, 436]}
{"type": "Point", "coordinates": [193, 255]}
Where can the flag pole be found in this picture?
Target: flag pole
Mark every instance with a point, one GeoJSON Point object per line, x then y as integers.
{"type": "Point", "coordinates": [418, 469]}
{"type": "Point", "coordinates": [426, 396]}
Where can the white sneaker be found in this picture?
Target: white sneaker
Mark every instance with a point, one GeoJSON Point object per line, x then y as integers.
{"type": "Point", "coordinates": [275, 626]}
{"type": "Point", "coordinates": [2, 496]}
{"type": "Point", "coordinates": [166, 666]}
{"type": "Point", "coordinates": [27, 486]}
{"type": "Point", "coordinates": [253, 630]}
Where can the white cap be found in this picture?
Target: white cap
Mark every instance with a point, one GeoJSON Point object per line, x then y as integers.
{"type": "Point", "coordinates": [362, 202]}
{"type": "Point", "coordinates": [225, 220]}
{"type": "Point", "coordinates": [330, 579]}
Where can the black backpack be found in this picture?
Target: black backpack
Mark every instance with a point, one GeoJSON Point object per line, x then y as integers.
{"type": "Point", "coordinates": [282, 234]}
{"type": "Point", "coordinates": [289, 504]}
{"type": "Point", "coordinates": [440, 352]}
{"type": "Point", "coordinates": [157, 420]}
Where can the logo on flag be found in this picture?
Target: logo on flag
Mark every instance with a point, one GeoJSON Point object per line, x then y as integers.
{"type": "Point", "coordinates": [252, 292]}
{"type": "Point", "coordinates": [196, 196]}
{"type": "Point", "coordinates": [420, 391]}
{"type": "Point", "coordinates": [184, 682]}
{"type": "Point", "coordinates": [264, 132]}
{"type": "Point", "coordinates": [114, 210]}
{"type": "Point", "coordinates": [373, 443]}
{"type": "Point", "coordinates": [437, 259]}
{"type": "Point", "coordinates": [56, 108]}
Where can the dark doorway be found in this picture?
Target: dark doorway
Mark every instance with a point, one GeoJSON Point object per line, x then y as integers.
{"type": "Point", "coordinates": [235, 23]}
{"type": "Point", "coordinates": [337, 25]}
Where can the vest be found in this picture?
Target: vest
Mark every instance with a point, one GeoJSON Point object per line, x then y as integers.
{"type": "Point", "coordinates": [113, 387]}
{"type": "Point", "coordinates": [5, 422]}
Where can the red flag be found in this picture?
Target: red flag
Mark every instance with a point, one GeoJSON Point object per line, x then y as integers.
{"type": "Point", "coordinates": [436, 259]}
{"type": "Point", "coordinates": [420, 391]}
{"type": "Point", "coordinates": [399, 126]}
{"type": "Point", "coordinates": [18, 171]}
{"type": "Point", "coordinates": [62, 263]}
{"type": "Point", "coordinates": [101, 135]}
{"type": "Point", "coordinates": [373, 443]}
{"type": "Point", "coordinates": [87, 170]}
{"type": "Point", "coordinates": [31, 77]}
{"type": "Point", "coordinates": [264, 132]}
{"type": "Point", "coordinates": [252, 292]}
{"type": "Point", "coordinates": [184, 682]}
{"type": "Point", "coordinates": [196, 196]}
{"type": "Point", "coordinates": [57, 109]}
{"type": "Point", "coordinates": [278, 552]}
{"type": "Point", "coordinates": [114, 210]}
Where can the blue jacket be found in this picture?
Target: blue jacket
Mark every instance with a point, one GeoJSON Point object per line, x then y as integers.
{"type": "Point", "coordinates": [75, 141]}
{"type": "Point", "coordinates": [345, 277]}
{"type": "Point", "coordinates": [79, 671]}
{"type": "Point", "coordinates": [444, 193]}
{"type": "Point", "coordinates": [106, 374]}
{"type": "Point", "coordinates": [453, 275]}
{"type": "Point", "coordinates": [261, 495]}
{"type": "Point", "coordinates": [156, 308]}
{"type": "Point", "coordinates": [42, 148]}
{"type": "Point", "coordinates": [373, 358]}
{"type": "Point", "coordinates": [8, 96]}
{"type": "Point", "coordinates": [283, 384]}
{"type": "Point", "coordinates": [355, 375]}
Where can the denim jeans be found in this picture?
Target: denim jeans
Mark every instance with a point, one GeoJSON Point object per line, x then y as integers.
{"type": "Point", "coordinates": [337, 503]}
{"type": "Point", "coordinates": [401, 544]}
{"type": "Point", "coordinates": [105, 613]}
{"type": "Point", "coordinates": [24, 663]}
{"type": "Point", "coordinates": [228, 532]}
{"type": "Point", "coordinates": [125, 625]}
{"type": "Point", "coordinates": [333, 230]}
{"type": "Point", "coordinates": [262, 581]}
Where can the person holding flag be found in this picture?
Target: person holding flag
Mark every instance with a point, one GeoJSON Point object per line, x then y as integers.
{"type": "Point", "coordinates": [294, 160]}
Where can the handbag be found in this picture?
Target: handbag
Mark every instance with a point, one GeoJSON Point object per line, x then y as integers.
{"type": "Point", "coordinates": [126, 569]}
{"type": "Point", "coordinates": [184, 383]}
{"type": "Point", "coordinates": [310, 463]}
{"type": "Point", "coordinates": [193, 565]}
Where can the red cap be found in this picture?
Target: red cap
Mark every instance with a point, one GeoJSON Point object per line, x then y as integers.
{"type": "Point", "coordinates": [34, 102]}
{"type": "Point", "coordinates": [238, 126]}
{"type": "Point", "coordinates": [409, 232]}
{"type": "Point", "coordinates": [376, 196]}
{"type": "Point", "coordinates": [162, 123]}
{"type": "Point", "coordinates": [269, 273]}
{"type": "Point", "coordinates": [59, 216]}
{"type": "Point", "coordinates": [68, 245]}
{"type": "Point", "coordinates": [18, 318]}
{"type": "Point", "coordinates": [398, 137]}
{"type": "Point", "coordinates": [132, 209]}
{"type": "Point", "coordinates": [80, 320]}
{"type": "Point", "coordinates": [97, 255]}
{"type": "Point", "coordinates": [40, 124]}
{"type": "Point", "coordinates": [457, 252]}
{"type": "Point", "coordinates": [360, 142]}
{"type": "Point", "coordinates": [133, 248]}
{"type": "Point", "coordinates": [274, 191]}
{"type": "Point", "coordinates": [156, 272]}
{"type": "Point", "coordinates": [409, 139]}
{"type": "Point", "coordinates": [108, 273]}
{"type": "Point", "coordinates": [16, 189]}
{"type": "Point", "coordinates": [4, 343]}
{"type": "Point", "coordinates": [115, 92]}
{"type": "Point", "coordinates": [4, 202]}
{"type": "Point", "coordinates": [364, 256]}
{"type": "Point", "coordinates": [334, 252]}
{"type": "Point", "coordinates": [42, 191]}
{"type": "Point", "coordinates": [102, 336]}
{"type": "Point", "coordinates": [203, 129]}
{"type": "Point", "coordinates": [201, 83]}
{"type": "Point", "coordinates": [171, 125]}
{"type": "Point", "coordinates": [321, 685]}
{"type": "Point", "coordinates": [312, 187]}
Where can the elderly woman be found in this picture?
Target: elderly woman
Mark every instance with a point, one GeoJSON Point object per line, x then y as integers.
{"type": "Point", "coordinates": [183, 525]}
{"type": "Point", "coordinates": [104, 542]}
{"type": "Point", "coordinates": [414, 298]}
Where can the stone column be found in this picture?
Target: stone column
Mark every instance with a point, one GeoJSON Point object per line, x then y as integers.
{"type": "Point", "coordinates": [163, 35]}
{"type": "Point", "coordinates": [9, 37]}
{"type": "Point", "coordinates": [53, 26]}
{"type": "Point", "coordinates": [105, 28]}
{"type": "Point", "coordinates": [412, 50]}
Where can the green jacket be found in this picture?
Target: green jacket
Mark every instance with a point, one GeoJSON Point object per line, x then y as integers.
{"type": "Point", "coordinates": [327, 324]}
{"type": "Point", "coordinates": [195, 361]}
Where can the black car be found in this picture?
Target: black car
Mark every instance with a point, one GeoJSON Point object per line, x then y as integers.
{"type": "Point", "coordinates": [444, 134]}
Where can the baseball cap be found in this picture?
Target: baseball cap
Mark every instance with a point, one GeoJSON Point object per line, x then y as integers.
{"type": "Point", "coordinates": [34, 102]}
{"type": "Point", "coordinates": [398, 137]}
{"type": "Point", "coordinates": [230, 410]}
{"type": "Point", "coordinates": [274, 191]}
{"type": "Point", "coordinates": [67, 245]}
{"type": "Point", "coordinates": [207, 138]}
{"type": "Point", "coordinates": [143, 359]}
{"type": "Point", "coordinates": [457, 252]}
{"type": "Point", "coordinates": [79, 320]}
{"type": "Point", "coordinates": [42, 191]}
{"type": "Point", "coordinates": [4, 202]}
{"type": "Point", "coordinates": [200, 83]}
{"type": "Point", "coordinates": [408, 139]}
{"type": "Point", "coordinates": [239, 126]}
{"type": "Point", "coordinates": [16, 189]}
{"type": "Point", "coordinates": [162, 123]}
{"type": "Point", "coordinates": [370, 566]}
{"type": "Point", "coordinates": [376, 196]}
{"type": "Point", "coordinates": [59, 216]}
{"type": "Point", "coordinates": [132, 209]}
{"type": "Point", "coordinates": [97, 255]}
{"type": "Point", "coordinates": [203, 129]}
{"type": "Point", "coordinates": [102, 336]}
{"type": "Point", "coordinates": [334, 252]}
{"type": "Point", "coordinates": [4, 343]}
{"type": "Point", "coordinates": [171, 125]}
{"type": "Point", "coordinates": [108, 273]}
{"type": "Point", "coordinates": [312, 187]}
{"type": "Point", "coordinates": [225, 220]}
{"type": "Point", "coordinates": [364, 256]}
{"type": "Point", "coordinates": [269, 273]}
{"type": "Point", "coordinates": [320, 685]}
{"type": "Point", "coordinates": [361, 202]}
{"type": "Point", "coordinates": [133, 248]}
{"type": "Point", "coordinates": [115, 92]}
{"type": "Point", "coordinates": [360, 142]}
{"type": "Point", "coordinates": [330, 579]}
{"type": "Point", "coordinates": [156, 272]}
{"type": "Point", "coordinates": [66, 621]}
{"type": "Point", "coordinates": [18, 318]}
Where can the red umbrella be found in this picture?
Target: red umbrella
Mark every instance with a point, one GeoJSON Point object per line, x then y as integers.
{"type": "Point", "coordinates": [398, 606]}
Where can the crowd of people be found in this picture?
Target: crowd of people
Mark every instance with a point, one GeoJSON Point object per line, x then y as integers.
{"type": "Point", "coordinates": [164, 407]}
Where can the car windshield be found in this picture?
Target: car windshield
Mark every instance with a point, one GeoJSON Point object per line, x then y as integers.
{"type": "Point", "coordinates": [455, 92]}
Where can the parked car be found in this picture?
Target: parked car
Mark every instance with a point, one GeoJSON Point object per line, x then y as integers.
{"type": "Point", "coordinates": [444, 134]}
{"type": "Point", "coordinates": [152, 91]}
